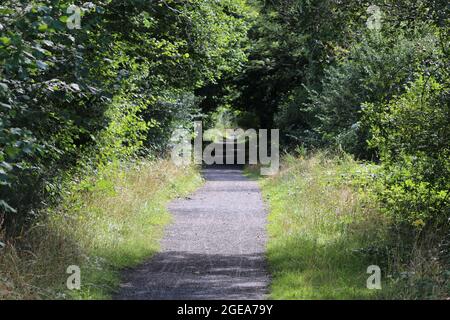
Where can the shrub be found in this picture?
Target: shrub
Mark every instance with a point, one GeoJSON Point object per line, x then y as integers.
{"type": "Point", "coordinates": [412, 133]}
{"type": "Point", "coordinates": [373, 70]}
{"type": "Point", "coordinates": [112, 90]}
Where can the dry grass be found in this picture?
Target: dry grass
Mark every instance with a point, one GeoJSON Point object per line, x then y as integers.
{"type": "Point", "coordinates": [103, 224]}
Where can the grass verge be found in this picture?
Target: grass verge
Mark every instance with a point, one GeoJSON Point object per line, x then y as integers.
{"type": "Point", "coordinates": [326, 227]}
{"type": "Point", "coordinates": [318, 224]}
{"type": "Point", "coordinates": [104, 223]}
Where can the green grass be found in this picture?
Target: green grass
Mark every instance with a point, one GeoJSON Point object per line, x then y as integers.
{"type": "Point", "coordinates": [318, 224]}
{"type": "Point", "coordinates": [104, 224]}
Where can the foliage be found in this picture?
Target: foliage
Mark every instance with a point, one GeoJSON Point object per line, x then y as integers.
{"type": "Point", "coordinates": [411, 132]}
{"type": "Point", "coordinates": [318, 222]}
{"type": "Point", "coordinates": [76, 99]}
{"type": "Point", "coordinates": [328, 78]}
{"type": "Point", "coordinates": [313, 64]}
{"type": "Point", "coordinates": [325, 229]}
{"type": "Point", "coordinates": [103, 224]}
{"type": "Point", "coordinates": [373, 70]}
{"type": "Point", "coordinates": [292, 41]}
{"type": "Point", "coordinates": [75, 102]}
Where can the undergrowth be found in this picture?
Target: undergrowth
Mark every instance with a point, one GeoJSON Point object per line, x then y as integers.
{"type": "Point", "coordinates": [103, 224]}
{"type": "Point", "coordinates": [326, 228]}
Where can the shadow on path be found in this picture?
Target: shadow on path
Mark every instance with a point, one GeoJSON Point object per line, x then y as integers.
{"type": "Point", "coordinates": [183, 275]}
{"type": "Point", "coordinates": [215, 249]}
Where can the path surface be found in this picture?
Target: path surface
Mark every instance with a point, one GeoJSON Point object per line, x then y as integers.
{"type": "Point", "coordinates": [213, 250]}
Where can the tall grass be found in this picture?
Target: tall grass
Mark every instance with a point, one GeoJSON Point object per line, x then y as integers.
{"type": "Point", "coordinates": [326, 228]}
{"type": "Point", "coordinates": [104, 223]}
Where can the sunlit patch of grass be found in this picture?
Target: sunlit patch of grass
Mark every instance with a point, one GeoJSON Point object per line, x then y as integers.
{"type": "Point", "coordinates": [317, 223]}
{"type": "Point", "coordinates": [105, 223]}
{"type": "Point", "coordinates": [326, 227]}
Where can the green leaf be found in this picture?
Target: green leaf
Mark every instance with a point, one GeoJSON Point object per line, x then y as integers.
{"type": "Point", "coordinates": [11, 152]}
{"type": "Point", "coordinates": [5, 40]}
{"type": "Point", "coordinates": [43, 27]}
{"type": "Point", "coordinates": [6, 11]}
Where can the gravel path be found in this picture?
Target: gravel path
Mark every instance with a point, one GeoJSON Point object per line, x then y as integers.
{"type": "Point", "coordinates": [215, 249]}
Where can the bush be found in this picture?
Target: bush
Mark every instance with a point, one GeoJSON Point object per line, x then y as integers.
{"type": "Point", "coordinates": [412, 133]}
{"type": "Point", "coordinates": [373, 70]}
{"type": "Point", "coordinates": [326, 228]}
{"type": "Point", "coordinates": [75, 100]}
